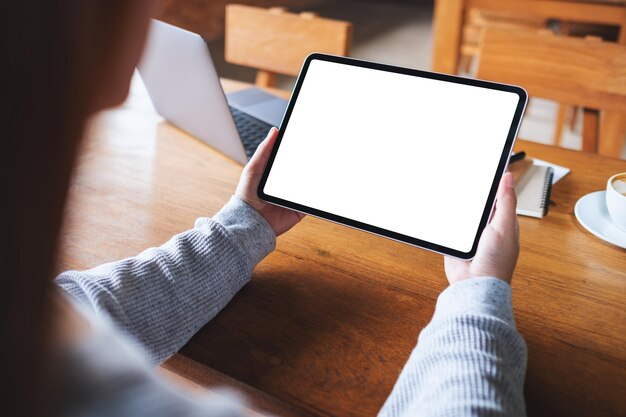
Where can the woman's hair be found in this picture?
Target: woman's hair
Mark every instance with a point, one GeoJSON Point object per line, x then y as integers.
{"type": "Point", "coordinates": [51, 51]}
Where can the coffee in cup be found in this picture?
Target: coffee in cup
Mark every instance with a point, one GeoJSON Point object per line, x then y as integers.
{"type": "Point", "coordinates": [616, 199]}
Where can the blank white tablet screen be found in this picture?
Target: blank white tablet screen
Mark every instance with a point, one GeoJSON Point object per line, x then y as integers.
{"type": "Point", "coordinates": [412, 155]}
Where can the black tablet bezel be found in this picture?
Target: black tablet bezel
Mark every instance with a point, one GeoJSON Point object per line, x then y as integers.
{"type": "Point", "coordinates": [510, 140]}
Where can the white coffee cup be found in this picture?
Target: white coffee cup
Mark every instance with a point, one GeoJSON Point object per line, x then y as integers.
{"type": "Point", "coordinates": [616, 199]}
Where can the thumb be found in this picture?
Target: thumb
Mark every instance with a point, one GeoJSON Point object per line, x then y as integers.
{"type": "Point", "coordinates": [262, 154]}
{"type": "Point", "coordinates": [505, 217]}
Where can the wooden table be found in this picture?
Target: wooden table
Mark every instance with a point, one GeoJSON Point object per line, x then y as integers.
{"type": "Point", "coordinates": [331, 316]}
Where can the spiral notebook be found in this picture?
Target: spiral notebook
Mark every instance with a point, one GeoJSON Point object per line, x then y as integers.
{"type": "Point", "coordinates": [533, 189]}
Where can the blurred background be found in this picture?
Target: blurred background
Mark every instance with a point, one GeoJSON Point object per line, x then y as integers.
{"type": "Point", "coordinates": [398, 32]}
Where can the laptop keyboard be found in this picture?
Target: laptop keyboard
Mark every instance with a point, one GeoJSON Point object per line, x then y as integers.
{"type": "Point", "coordinates": [252, 131]}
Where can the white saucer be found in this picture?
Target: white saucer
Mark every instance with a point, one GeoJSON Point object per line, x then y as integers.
{"type": "Point", "coordinates": [591, 212]}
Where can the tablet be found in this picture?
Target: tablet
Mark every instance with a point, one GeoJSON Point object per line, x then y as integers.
{"type": "Point", "coordinates": [409, 155]}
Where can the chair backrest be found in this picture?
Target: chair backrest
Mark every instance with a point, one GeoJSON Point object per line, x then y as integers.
{"type": "Point", "coordinates": [478, 20]}
{"type": "Point", "coordinates": [575, 11]}
{"type": "Point", "coordinates": [587, 73]}
{"type": "Point", "coordinates": [582, 72]}
{"type": "Point", "coordinates": [277, 42]}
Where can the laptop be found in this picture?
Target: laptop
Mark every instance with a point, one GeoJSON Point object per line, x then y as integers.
{"type": "Point", "coordinates": [181, 80]}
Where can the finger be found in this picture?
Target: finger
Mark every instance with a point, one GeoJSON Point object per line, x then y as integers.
{"type": "Point", "coordinates": [505, 218]}
{"type": "Point", "coordinates": [262, 153]}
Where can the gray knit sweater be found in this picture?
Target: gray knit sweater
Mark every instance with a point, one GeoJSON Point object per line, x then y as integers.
{"type": "Point", "coordinates": [469, 361]}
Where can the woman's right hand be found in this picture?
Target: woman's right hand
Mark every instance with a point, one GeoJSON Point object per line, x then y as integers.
{"type": "Point", "coordinates": [498, 248]}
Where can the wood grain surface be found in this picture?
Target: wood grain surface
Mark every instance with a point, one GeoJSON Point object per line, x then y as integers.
{"type": "Point", "coordinates": [331, 316]}
{"type": "Point", "coordinates": [206, 17]}
{"type": "Point", "coordinates": [580, 72]}
{"type": "Point", "coordinates": [450, 17]}
{"type": "Point", "coordinates": [585, 73]}
{"type": "Point", "coordinates": [447, 31]}
{"type": "Point", "coordinates": [601, 12]}
{"type": "Point", "coordinates": [277, 41]}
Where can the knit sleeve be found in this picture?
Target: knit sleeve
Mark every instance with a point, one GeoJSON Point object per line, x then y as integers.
{"type": "Point", "coordinates": [469, 361]}
{"type": "Point", "coordinates": [163, 296]}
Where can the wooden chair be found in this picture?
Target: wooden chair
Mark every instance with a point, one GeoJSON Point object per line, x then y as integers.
{"type": "Point", "coordinates": [587, 73]}
{"type": "Point", "coordinates": [478, 20]}
{"type": "Point", "coordinates": [451, 15]}
{"type": "Point", "coordinates": [277, 42]}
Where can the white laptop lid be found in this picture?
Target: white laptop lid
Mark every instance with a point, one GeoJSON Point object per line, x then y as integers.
{"type": "Point", "coordinates": [178, 72]}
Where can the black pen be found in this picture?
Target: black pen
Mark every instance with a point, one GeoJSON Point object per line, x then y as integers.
{"type": "Point", "coordinates": [517, 156]}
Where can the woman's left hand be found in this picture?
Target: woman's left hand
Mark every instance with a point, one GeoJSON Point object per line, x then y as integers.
{"type": "Point", "coordinates": [281, 219]}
